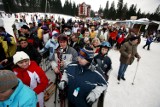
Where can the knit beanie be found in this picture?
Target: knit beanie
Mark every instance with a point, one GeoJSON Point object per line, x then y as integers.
{"type": "Point", "coordinates": [55, 34]}
{"type": "Point", "coordinates": [87, 53]}
{"type": "Point", "coordinates": [25, 27]}
{"type": "Point", "coordinates": [19, 56]}
{"type": "Point", "coordinates": [8, 80]}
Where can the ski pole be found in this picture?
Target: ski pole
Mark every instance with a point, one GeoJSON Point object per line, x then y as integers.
{"type": "Point", "coordinates": [135, 72]}
{"type": "Point", "coordinates": [56, 83]}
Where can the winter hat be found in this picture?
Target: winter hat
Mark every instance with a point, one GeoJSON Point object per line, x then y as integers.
{"type": "Point", "coordinates": [25, 27]}
{"type": "Point", "coordinates": [55, 34]}
{"type": "Point", "coordinates": [105, 44]}
{"type": "Point", "coordinates": [133, 37]}
{"type": "Point", "coordinates": [101, 37]}
{"type": "Point", "coordinates": [87, 53]}
{"type": "Point", "coordinates": [44, 27]}
{"type": "Point", "coordinates": [19, 56]}
{"type": "Point", "coordinates": [8, 80]}
{"type": "Point", "coordinates": [105, 24]}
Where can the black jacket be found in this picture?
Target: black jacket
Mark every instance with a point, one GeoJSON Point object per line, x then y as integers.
{"type": "Point", "coordinates": [32, 53]}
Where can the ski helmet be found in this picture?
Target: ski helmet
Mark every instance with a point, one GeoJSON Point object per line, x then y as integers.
{"type": "Point", "coordinates": [105, 44]}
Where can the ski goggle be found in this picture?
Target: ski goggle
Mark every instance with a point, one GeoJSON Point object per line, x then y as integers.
{"type": "Point", "coordinates": [22, 39]}
{"type": "Point", "coordinates": [83, 54]}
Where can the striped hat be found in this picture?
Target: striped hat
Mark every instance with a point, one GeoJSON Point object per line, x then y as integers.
{"type": "Point", "coordinates": [87, 53]}
{"type": "Point", "coordinates": [8, 80]}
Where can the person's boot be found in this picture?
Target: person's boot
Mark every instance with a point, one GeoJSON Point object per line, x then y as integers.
{"type": "Point", "coordinates": [118, 78]}
{"type": "Point", "coordinates": [123, 78]}
{"type": "Point", "coordinates": [143, 47]}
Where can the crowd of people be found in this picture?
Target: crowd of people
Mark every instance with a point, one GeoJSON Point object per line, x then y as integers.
{"type": "Point", "coordinates": [78, 55]}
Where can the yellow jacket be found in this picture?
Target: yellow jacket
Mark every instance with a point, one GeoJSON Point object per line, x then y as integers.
{"type": "Point", "coordinates": [9, 49]}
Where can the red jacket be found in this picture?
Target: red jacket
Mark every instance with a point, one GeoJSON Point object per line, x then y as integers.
{"type": "Point", "coordinates": [121, 39]}
{"type": "Point", "coordinates": [113, 35]}
{"type": "Point", "coordinates": [33, 76]}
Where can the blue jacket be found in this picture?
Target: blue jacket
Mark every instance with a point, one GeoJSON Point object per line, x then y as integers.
{"type": "Point", "coordinates": [149, 40]}
{"type": "Point", "coordinates": [22, 96]}
{"type": "Point", "coordinates": [51, 46]}
{"type": "Point", "coordinates": [83, 79]}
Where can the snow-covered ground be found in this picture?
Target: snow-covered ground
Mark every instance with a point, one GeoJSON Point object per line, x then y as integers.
{"type": "Point", "coordinates": [8, 22]}
{"type": "Point", "coordinates": [144, 93]}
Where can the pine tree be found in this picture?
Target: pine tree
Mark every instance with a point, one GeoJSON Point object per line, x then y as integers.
{"type": "Point", "coordinates": [74, 9]}
{"type": "Point", "coordinates": [66, 7]}
{"type": "Point", "coordinates": [119, 9]}
{"type": "Point", "coordinates": [139, 13]}
{"type": "Point", "coordinates": [100, 11]}
{"type": "Point", "coordinates": [131, 11]}
{"type": "Point", "coordinates": [42, 5]}
{"type": "Point", "coordinates": [9, 6]}
{"type": "Point", "coordinates": [92, 13]}
{"type": "Point", "coordinates": [112, 12]}
{"type": "Point", "coordinates": [106, 10]}
{"type": "Point", "coordinates": [158, 10]}
{"type": "Point", "coordinates": [124, 12]}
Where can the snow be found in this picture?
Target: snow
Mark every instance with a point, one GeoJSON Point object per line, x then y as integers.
{"type": "Point", "coordinates": [144, 93]}
{"type": "Point", "coordinates": [8, 22]}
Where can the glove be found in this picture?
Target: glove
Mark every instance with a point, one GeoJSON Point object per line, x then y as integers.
{"type": "Point", "coordinates": [95, 94]}
{"type": "Point", "coordinates": [62, 85]}
{"type": "Point", "coordinates": [64, 81]}
{"type": "Point", "coordinates": [91, 98]}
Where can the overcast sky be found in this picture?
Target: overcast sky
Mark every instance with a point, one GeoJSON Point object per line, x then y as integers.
{"type": "Point", "coordinates": [145, 5]}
